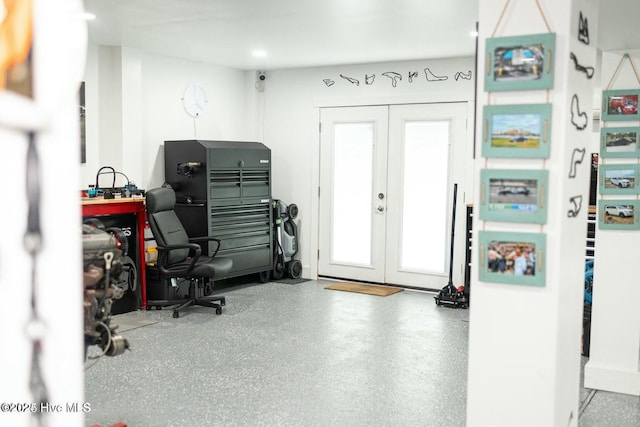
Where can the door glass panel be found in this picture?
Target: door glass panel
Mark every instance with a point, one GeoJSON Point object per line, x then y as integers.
{"type": "Point", "coordinates": [424, 213]}
{"type": "Point", "coordinates": [352, 192]}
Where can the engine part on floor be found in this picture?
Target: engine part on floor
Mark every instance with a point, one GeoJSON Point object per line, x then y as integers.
{"type": "Point", "coordinates": [450, 295]}
{"type": "Point", "coordinates": [103, 265]}
{"type": "Point", "coordinates": [285, 244]}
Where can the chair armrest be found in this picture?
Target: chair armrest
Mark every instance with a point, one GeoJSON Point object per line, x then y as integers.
{"type": "Point", "coordinates": [163, 253]}
{"type": "Point", "coordinates": [208, 239]}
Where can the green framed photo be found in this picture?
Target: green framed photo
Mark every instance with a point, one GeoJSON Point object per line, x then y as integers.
{"type": "Point", "coordinates": [618, 214]}
{"type": "Point", "coordinates": [620, 105]}
{"type": "Point", "coordinates": [514, 195]}
{"type": "Point", "coordinates": [617, 142]}
{"type": "Point", "coordinates": [520, 62]}
{"type": "Point", "coordinates": [618, 179]}
{"type": "Point", "coordinates": [516, 131]}
{"type": "Point", "coordinates": [512, 258]}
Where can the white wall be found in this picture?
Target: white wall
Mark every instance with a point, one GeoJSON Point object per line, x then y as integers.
{"type": "Point", "coordinates": [133, 103]}
{"type": "Point", "coordinates": [292, 99]}
{"type": "Point", "coordinates": [614, 363]}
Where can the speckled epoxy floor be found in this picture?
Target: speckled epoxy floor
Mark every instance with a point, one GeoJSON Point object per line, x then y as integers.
{"type": "Point", "coordinates": [299, 355]}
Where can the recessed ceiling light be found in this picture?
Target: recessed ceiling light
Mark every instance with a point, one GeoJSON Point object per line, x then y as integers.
{"type": "Point", "coordinates": [259, 53]}
{"type": "Point", "coordinates": [473, 34]}
{"type": "Point", "coordinates": [88, 16]}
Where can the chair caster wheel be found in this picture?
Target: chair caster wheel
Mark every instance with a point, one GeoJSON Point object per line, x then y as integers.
{"type": "Point", "coordinates": [218, 311]}
{"type": "Point", "coordinates": [176, 314]}
{"type": "Point", "coordinates": [223, 302]}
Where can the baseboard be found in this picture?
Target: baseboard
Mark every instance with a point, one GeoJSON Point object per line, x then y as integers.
{"type": "Point", "coordinates": [605, 378]}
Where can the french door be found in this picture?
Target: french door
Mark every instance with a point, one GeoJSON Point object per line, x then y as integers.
{"type": "Point", "coordinates": [386, 175]}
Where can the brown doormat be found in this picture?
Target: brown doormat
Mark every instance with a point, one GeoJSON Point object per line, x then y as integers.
{"type": "Point", "coordinates": [381, 291]}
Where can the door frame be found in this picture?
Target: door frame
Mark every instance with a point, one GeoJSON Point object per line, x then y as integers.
{"type": "Point", "coordinates": [465, 189]}
{"type": "Point", "coordinates": [332, 117]}
{"type": "Point", "coordinates": [398, 116]}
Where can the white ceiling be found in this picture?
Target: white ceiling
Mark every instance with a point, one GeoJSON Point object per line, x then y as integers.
{"type": "Point", "coordinates": [302, 33]}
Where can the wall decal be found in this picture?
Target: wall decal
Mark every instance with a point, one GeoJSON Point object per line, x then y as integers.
{"type": "Point", "coordinates": [461, 75]}
{"type": "Point", "coordinates": [578, 118]}
{"type": "Point", "coordinates": [587, 70]}
{"type": "Point", "coordinates": [576, 201]}
{"type": "Point", "coordinates": [351, 80]}
{"type": "Point", "coordinates": [576, 158]}
{"type": "Point", "coordinates": [393, 76]}
{"type": "Point", "coordinates": [432, 77]}
{"type": "Point", "coordinates": [369, 79]}
{"type": "Point", "coordinates": [583, 30]}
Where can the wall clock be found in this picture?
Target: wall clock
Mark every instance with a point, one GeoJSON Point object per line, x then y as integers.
{"type": "Point", "coordinates": [194, 100]}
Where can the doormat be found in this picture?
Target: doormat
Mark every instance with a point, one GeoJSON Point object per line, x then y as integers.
{"type": "Point", "coordinates": [381, 291]}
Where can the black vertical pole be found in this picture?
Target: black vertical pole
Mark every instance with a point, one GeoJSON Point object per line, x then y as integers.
{"type": "Point", "coordinates": [453, 233]}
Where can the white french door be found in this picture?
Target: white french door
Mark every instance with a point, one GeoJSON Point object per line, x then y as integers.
{"type": "Point", "coordinates": [386, 175]}
{"type": "Point", "coordinates": [353, 179]}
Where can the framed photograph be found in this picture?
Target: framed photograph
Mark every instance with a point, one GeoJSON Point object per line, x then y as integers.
{"type": "Point", "coordinates": [621, 104]}
{"type": "Point", "coordinates": [618, 179]}
{"type": "Point", "coordinates": [513, 258]}
{"type": "Point", "coordinates": [83, 126]}
{"type": "Point", "coordinates": [520, 62]}
{"type": "Point", "coordinates": [618, 214]}
{"type": "Point", "coordinates": [514, 195]}
{"type": "Point", "coordinates": [619, 142]}
{"type": "Point", "coordinates": [517, 131]}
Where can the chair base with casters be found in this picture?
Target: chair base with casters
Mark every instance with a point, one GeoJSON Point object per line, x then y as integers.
{"type": "Point", "coordinates": [179, 303]}
{"type": "Point", "coordinates": [181, 258]}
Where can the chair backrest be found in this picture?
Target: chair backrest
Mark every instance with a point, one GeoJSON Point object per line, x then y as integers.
{"type": "Point", "coordinates": [165, 225]}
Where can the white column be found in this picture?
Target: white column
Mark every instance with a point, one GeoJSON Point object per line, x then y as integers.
{"type": "Point", "coordinates": [524, 341]}
{"type": "Point", "coordinates": [132, 117]}
{"type": "Point", "coordinates": [110, 108]}
{"type": "Point", "coordinates": [120, 115]}
{"type": "Point", "coordinates": [58, 54]}
{"type": "Point", "coordinates": [615, 323]}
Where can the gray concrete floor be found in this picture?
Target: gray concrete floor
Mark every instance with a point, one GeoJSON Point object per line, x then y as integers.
{"type": "Point", "coordinates": [300, 355]}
